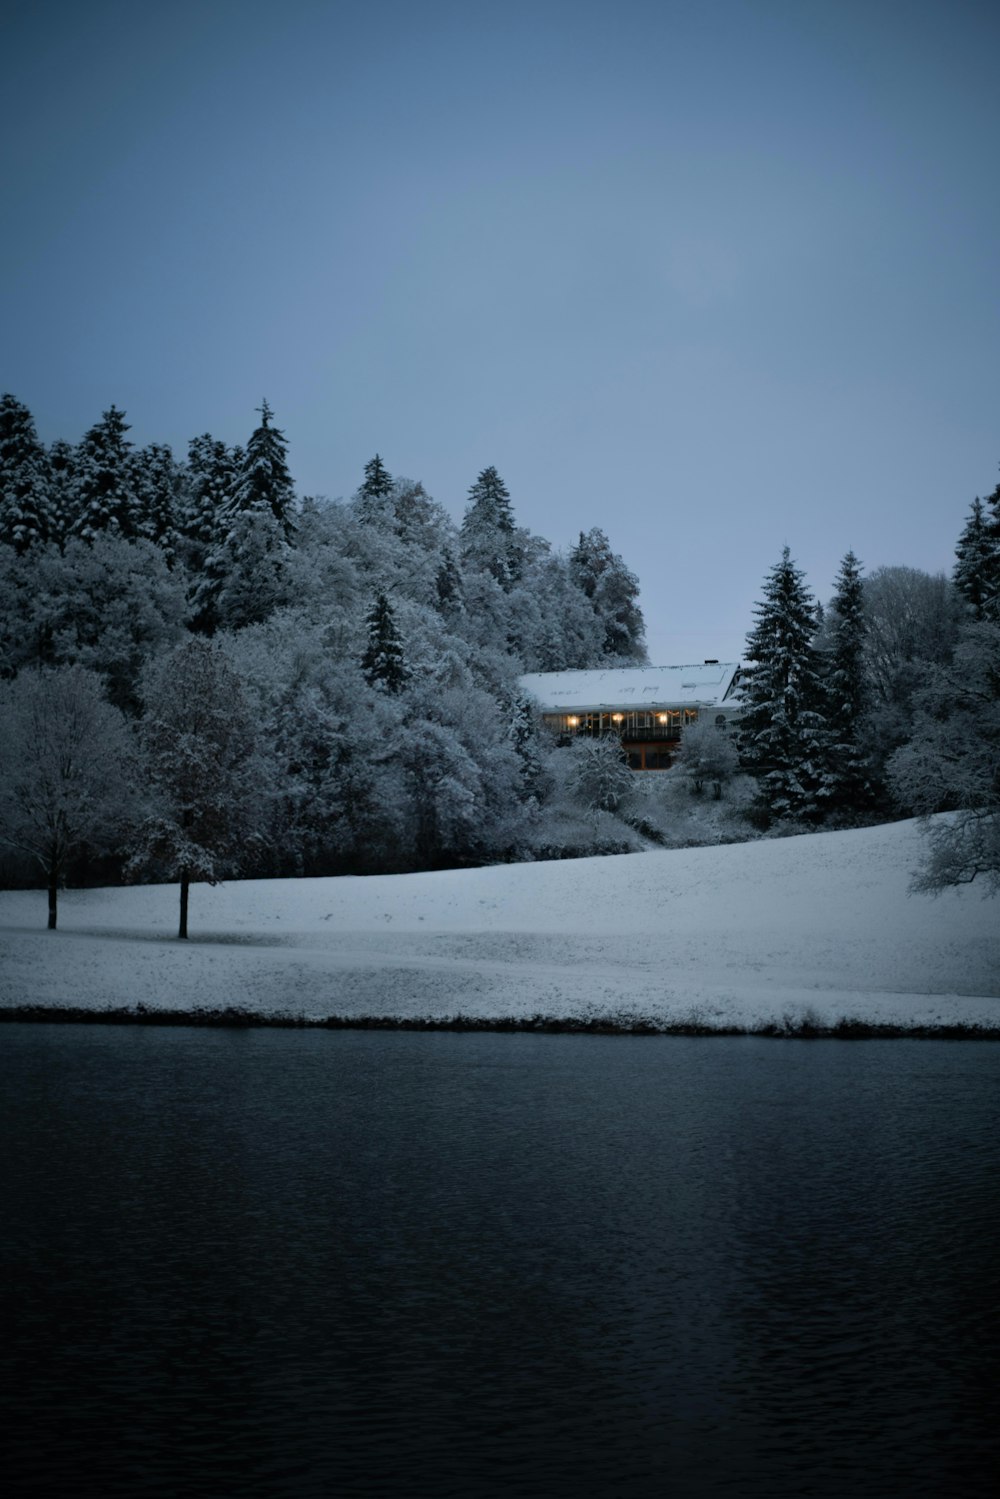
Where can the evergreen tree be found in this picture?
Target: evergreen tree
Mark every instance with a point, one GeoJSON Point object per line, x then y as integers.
{"type": "Point", "coordinates": [590, 559]}
{"type": "Point", "coordinates": [383, 662]}
{"type": "Point", "coordinates": [847, 689]}
{"type": "Point", "coordinates": [613, 592]}
{"type": "Point", "coordinates": [976, 560]}
{"type": "Point", "coordinates": [103, 490]}
{"type": "Point", "coordinates": [523, 734]}
{"type": "Point", "coordinates": [449, 599]}
{"type": "Point", "coordinates": [206, 495]}
{"type": "Point", "coordinates": [205, 522]}
{"type": "Point", "coordinates": [991, 578]}
{"type": "Point", "coordinates": [263, 482]}
{"type": "Point", "coordinates": [157, 485]}
{"type": "Point", "coordinates": [377, 482]}
{"type": "Point", "coordinates": [248, 577]}
{"type": "Point", "coordinates": [27, 509]}
{"type": "Point", "coordinates": [490, 541]}
{"type": "Point", "coordinates": [62, 472]}
{"type": "Point", "coordinates": [783, 734]}
{"type": "Point", "coordinates": [372, 502]}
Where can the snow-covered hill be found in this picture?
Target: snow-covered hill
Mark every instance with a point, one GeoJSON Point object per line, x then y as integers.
{"type": "Point", "coordinates": [742, 934]}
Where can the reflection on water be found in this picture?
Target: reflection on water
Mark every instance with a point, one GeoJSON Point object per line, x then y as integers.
{"type": "Point", "coordinates": [287, 1263]}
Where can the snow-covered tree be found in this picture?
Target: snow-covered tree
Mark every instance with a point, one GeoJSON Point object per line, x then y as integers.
{"type": "Point", "coordinates": [977, 561]}
{"type": "Point", "coordinates": [157, 485]}
{"type": "Point", "coordinates": [240, 523]}
{"type": "Point", "coordinates": [27, 506]}
{"type": "Point", "coordinates": [249, 573]}
{"type": "Point", "coordinates": [449, 594]}
{"type": "Point", "coordinates": [383, 662]}
{"type": "Point", "coordinates": [106, 605]}
{"type": "Point", "coordinates": [613, 591]}
{"type": "Point", "coordinates": [952, 764]}
{"type": "Point", "coordinates": [783, 733]}
{"type": "Point", "coordinates": [202, 772]}
{"type": "Point", "coordinates": [912, 619]}
{"type": "Point", "coordinates": [524, 737]}
{"type": "Point", "coordinates": [263, 483]}
{"type": "Point", "coordinates": [371, 502]}
{"type": "Point", "coordinates": [62, 471]}
{"type": "Point", "coordinates": [707, 754]}
{"type": "Point", "coordinates": [847, 689]}
{"type": "Point", "coordinates": [103, 494]}
{"type": "Point", "coordinates": [206, 494]}
{"type": "Point", "coordinates": [599, 777]}
{"type": "Point", "coordinates": [66, 768]}
{"type": "Point", "coordinates": [445, 790]}
{"type": "Point", "coordinates": [991, 588]}
{"type": "Point", "coordinates": [489, 538]}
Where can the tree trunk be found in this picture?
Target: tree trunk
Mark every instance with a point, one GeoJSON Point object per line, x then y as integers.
{"type": "Point", "coordinates": [185, 887]}
{"type": "Point", "coordinates": [53, 895]}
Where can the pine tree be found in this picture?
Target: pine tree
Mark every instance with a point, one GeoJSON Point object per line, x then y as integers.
{"type": "Point", "coordinates": [207, 494]}
{"type": "Point", "coordinates": [377, 482]}
{"type": "Point", "coordinates": [448, 586]}
{"type": "Point", "coordinates": [976, 561]}
{"type": "Point", "coordinates": [372, 502]}
{"type": "Point", "coordinates": [783, 734]}
{"type": "Point", "coordinates": [62, 473]}
{"type": "Point", "coordinates": [991, 572]}
{"type": "Point", "coordinates": [27, 509]}
{"type": "Point", "coordinates": [383, 662]}
{"type": "Point", "coordinates": [263, 482]}
{"type": "Point", "coordinates": [490, 541]}
{"type": "Point", "coordinates": [523, 734]}
{"type": "Point", "coordinates": [103, 491]}
{"type": "Point", "coordinates": [157, 485]}
{"type": "Point", "coordinates": [847, 689]}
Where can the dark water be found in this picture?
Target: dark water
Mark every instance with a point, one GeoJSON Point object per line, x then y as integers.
{"type": "Point", "coordinates": [281, 1263]}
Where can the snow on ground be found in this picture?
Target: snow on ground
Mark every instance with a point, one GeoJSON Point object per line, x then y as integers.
{"type": "Point", "coordinates": [742, 934]}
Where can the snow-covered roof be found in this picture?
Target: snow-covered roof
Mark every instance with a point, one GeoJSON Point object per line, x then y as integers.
{"type": "Point", "coordinates": [706, 685]}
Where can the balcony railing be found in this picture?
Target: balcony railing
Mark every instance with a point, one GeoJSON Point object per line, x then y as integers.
{"type": "Point", "coordinates": [631, 728]}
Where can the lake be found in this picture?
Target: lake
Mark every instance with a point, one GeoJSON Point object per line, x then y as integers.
{"type": "Point", "coordinates": [365, 1263]}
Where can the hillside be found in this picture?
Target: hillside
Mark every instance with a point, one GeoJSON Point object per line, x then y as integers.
{"type": "Point", "coordinates": [742, 934]}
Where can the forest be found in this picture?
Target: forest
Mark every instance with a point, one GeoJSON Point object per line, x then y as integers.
{"type": "Point", "coordinates": [204, 675]}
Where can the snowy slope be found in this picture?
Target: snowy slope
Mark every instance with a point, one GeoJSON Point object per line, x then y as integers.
{"type": "Point", "coordinates": [740, 934]}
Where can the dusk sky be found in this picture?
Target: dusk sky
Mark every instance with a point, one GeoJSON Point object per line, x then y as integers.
{"type": "Point", "coordinates": [715, 276]}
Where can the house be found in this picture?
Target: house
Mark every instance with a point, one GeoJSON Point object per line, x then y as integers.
{"type": "Point", "coordinates": [646, 706]}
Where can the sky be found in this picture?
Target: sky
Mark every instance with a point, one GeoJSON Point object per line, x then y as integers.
{"type": "Point", "coordinates": [717, 276]}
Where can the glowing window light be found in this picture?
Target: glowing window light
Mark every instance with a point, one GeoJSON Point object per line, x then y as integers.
{"type": "Point", "coordinates": [617, 717]}
{"type": "Point", "coordinates": [663, 717]}
{"type": "Point", "coordinates": [572, 720]}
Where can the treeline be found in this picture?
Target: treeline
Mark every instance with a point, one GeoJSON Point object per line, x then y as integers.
{"type": "Point", "coordinates": [202, 674]}
{"type": "Point", "coordinates": [886, 703]}
{"type": "Point", "coordinates": [367, 653]}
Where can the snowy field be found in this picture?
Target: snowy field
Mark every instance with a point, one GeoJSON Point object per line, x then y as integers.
{"type": "Point", "coordinates": [819, 926]}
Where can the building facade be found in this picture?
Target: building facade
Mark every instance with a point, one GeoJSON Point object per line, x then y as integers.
{"type": "Point", "coordinates": [648, 707]}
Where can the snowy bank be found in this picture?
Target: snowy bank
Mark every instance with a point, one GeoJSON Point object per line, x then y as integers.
{"type": "Point", "coordinates": [742, 935]}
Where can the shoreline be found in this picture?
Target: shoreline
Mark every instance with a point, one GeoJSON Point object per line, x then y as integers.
{"type": "Point", "coordinates": [232, 1017]}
